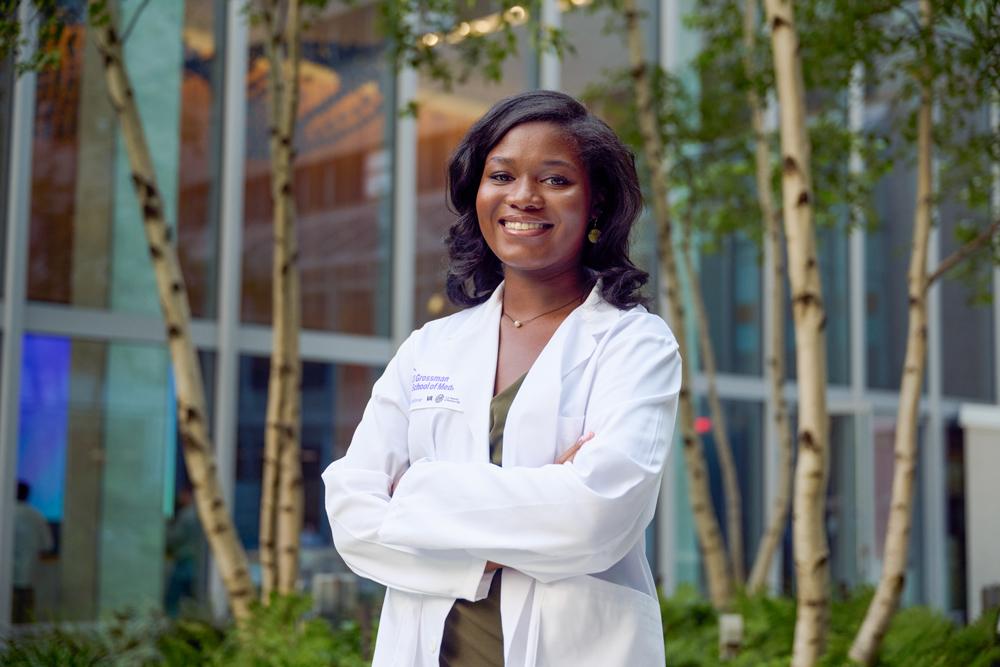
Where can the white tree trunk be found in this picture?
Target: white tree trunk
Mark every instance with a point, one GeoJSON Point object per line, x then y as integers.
{"type": "Point", "coordinates": [290, 501]}
{"type": "Point", "coordinates": [730, 481]}
{"type": "Point", "coordinates": [897, 536]}
{"type": "Point", "coordinates": [812, 566]}
{"type": "Point", "coordinates": [190, 393]}
{"type": "Point", "coordinates": [281, 494]}
{"type": "Point", "coordinates": [776, 316]}
{"type": "Point", "coordinates": [706, 523]}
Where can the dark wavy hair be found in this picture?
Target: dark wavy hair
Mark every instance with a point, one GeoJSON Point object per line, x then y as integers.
{"type": "Point", "coordinates": [474, 271]}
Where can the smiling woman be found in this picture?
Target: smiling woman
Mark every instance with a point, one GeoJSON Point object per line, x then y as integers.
{"type": "Point", "coordinates": [581, 161]}
{"type": "Point", "coordinates": [534, 200]}
{"type": "Point", "coordinates": [504, 472]}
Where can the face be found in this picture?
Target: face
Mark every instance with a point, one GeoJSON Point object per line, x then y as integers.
{"type": "Point", "coordinates": [533, 201]}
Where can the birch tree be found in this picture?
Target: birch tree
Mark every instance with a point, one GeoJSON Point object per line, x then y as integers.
{"type": "Point", "coordinates": [281, 505]}
{"type": "Point", "coordinates": [900, 514]}
{"type": "Point", "coordinates": [727, 465]}
{"type": "Point", "coordinates": [706, 522]}
{"type": "Point", "coordinates": [775, 362]}
{"type": "Point", "coordinates": [970, 73]}
{"type": "Point", "coordinates": [736, 73]}
{"type": "Point", "coordinates": [812, 553]}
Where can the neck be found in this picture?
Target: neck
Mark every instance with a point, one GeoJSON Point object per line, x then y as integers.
{"type": "Point", "coordinates": [525, 296]}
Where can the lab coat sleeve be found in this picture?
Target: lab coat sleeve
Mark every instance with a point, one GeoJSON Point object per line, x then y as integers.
{"type": "Point", "coordinates": [358, 489]}
{"type": "Point", "coordinates": [557, 521]}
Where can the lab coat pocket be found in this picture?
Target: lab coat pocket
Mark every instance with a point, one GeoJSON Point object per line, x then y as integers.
{"type": "Point", "coordinates": [433, 433]}
{"type": "Point", "coordinates": [589, 622]}
{"type": "Point", "coordinates": [568, 431]}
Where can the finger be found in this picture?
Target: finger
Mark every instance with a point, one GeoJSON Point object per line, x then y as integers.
{"type": "Point", "coordinates": [570, 453]}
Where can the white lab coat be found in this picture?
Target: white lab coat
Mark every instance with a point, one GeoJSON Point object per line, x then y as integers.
{"type": "Point", "coordinates": [416, 505]}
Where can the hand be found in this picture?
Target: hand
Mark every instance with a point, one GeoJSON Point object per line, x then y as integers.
{"type": "Point", "coordinates": [570, 453]}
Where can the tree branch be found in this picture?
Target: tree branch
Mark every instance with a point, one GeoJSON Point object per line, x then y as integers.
{"type": "Point", "coordinates": [959, 255]}
{"type": "Point", "coordinates": [135, 17]}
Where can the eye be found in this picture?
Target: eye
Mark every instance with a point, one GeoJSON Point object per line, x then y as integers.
{"type": "Point", "coordinates": [501, 177]}
{"type": "Point", "coordinates": [557, 180]}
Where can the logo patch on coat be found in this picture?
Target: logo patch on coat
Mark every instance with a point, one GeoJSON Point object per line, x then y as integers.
{"type": "Point", "coordinates": [433, 391]}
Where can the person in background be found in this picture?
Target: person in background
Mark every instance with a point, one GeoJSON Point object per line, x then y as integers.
{"type": "Point", "coordinates": [183, 547]}
{"type": "Point", "coordinates": [32, 538]}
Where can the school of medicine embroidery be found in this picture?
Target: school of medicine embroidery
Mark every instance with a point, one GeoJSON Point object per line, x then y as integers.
{"type": "Point", "coordinates": [433, 391]}
{"type": "Point", "coordinates": [431, 383]}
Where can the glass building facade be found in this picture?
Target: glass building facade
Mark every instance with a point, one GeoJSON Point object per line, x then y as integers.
{"type": "Point", "coordinates": [86, 401]}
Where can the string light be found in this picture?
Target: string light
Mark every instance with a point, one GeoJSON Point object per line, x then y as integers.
{"type": "Point", "coordinates": [484, 25]}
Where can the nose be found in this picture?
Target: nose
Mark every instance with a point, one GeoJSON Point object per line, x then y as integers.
{"type": "Point", "coordinates": [525, 195]}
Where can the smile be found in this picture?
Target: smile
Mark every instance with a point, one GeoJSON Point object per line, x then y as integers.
{"type": "Point", "coordinates": [525, 227]}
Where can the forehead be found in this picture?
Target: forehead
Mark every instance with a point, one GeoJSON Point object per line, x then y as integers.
{"type": "Point", "coordinates": [538, 138]}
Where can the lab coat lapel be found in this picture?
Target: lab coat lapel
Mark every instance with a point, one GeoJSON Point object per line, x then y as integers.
{"type": "Point", "coordinates": [474, 347]}
{"type": "Point", "coordinates": [593, 318]}
{"type": "Point", "coordinates": [537, 404]}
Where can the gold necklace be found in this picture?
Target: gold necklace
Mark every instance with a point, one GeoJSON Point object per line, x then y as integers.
{"type": "Point", "coordinates": [520, 323]}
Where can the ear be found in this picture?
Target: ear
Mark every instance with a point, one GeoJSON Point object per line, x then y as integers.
{"type": "Point", "coordinates": [596, 206]}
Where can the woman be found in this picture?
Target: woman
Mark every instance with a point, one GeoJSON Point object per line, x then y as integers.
{"type": "Point", "coordinates": [509, 460]}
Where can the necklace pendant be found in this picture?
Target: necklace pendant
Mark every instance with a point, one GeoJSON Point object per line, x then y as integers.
{"type": "Point", "coordinates": [517, 324]}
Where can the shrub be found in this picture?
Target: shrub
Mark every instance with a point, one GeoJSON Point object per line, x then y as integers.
{"type": "Point", "coordinates": [280, 635]}
{"type": "Point", "coordinates": [283, 634]}
{"type": "Point", "coordinates": [917, 636]}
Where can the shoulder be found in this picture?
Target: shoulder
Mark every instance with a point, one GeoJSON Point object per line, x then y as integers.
{"type": "Point", "coordinates": [637, 322]}
{"type": "Point", "coordinates": [444, 327]}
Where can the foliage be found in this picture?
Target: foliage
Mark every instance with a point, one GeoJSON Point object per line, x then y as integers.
{"type": "Point", "coordinates": [917, 637]}
{"type": "Point", "coordinates": [51, 16]}
{"type": "Point", "coordinates": [127, 639]}
{"type": "Point", "coordinates": [450, 40]}
{"type": "Point", "coordinates": [280, 635]}
{"type": "Point", "coordinates": [709, 141]}
{"type": "Point", "coordinates": [283, 634]}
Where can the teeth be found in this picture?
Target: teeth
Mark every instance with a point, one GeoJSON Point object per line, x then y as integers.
{"type": "Point", "coordinates": [523, 226]}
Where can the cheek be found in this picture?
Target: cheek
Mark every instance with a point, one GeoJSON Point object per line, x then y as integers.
{"type": "Point", "coordinates": [484, 205]}
{"type": "Point", "coordinates": [483, 217]}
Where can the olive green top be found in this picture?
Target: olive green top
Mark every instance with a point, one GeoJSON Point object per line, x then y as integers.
{"type": "Point", "coordinates": [473, 635]}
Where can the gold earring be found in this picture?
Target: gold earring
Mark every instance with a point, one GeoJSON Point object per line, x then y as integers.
{"type": "Point", "coordinates": [594, 234]}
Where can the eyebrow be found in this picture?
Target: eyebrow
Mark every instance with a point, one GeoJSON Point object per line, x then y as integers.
{"type": "Point", "coordinates": [547, 163]}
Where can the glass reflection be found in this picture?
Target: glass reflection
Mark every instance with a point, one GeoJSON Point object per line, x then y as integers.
{"type": "Point", "coordinates": [87, 245]}
{"type": "Point", "coordinates": [968, 331]}
{"type": "Point", "coordinates": [731, 287]}
{"type": "Point", "coordinates": [98, 448]}
{"type": "Point", "coordinates": [887, 248]}
{"type": "Point", "coordinates": [745, 424]}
